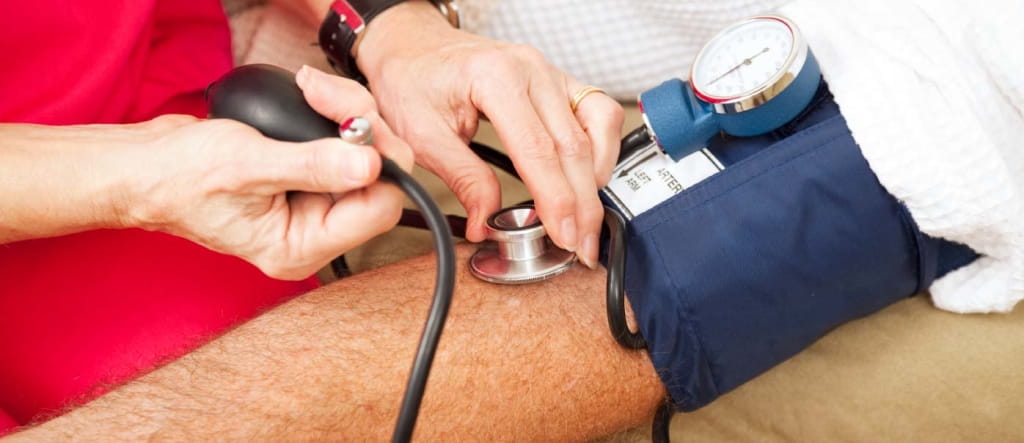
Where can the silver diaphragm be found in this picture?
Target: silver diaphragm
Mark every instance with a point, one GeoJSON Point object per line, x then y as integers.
{"type": "Point", "coordinates": [519, 250]}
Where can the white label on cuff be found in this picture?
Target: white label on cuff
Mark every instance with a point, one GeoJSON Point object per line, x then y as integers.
{"type": "Point", "coordinates": [649, 177]}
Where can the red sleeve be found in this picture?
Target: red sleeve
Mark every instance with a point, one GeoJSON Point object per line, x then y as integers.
{"type": "Point", "coordinates": [7, 424]}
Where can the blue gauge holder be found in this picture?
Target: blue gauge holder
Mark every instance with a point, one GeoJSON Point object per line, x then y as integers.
{"type": "Point", "coordinates": [682, 124]}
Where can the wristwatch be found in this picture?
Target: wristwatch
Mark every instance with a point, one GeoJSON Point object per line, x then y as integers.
{"type": "Point", "coordinates": [347, 19]}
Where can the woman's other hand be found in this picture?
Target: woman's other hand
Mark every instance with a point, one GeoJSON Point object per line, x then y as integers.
{"type": "Point", "coordinates": [433, 83]}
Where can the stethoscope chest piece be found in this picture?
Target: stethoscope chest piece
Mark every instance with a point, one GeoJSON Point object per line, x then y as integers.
{"type": "Point", "coordinates": [519, 251]}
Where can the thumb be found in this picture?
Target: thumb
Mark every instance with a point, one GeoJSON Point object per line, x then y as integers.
{"type": "Point", "coordinates": [327, 165]}
{"type": "Point", "coordinates": [340, 99]}
{"type": "Point", "coordinates": [334, 97]}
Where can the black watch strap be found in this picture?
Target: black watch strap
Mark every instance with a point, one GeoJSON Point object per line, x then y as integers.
{"type": "Point", "coordinates": [344, 22]}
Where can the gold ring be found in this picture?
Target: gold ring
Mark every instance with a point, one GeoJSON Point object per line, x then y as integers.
{"type": "Point", "coordinates": [583, 93]}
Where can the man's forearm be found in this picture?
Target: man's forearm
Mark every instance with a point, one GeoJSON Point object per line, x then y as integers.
{"type": "Point", "coordinates": [524, 362]}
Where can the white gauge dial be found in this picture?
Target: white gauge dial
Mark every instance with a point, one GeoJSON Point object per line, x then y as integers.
{"type": "Point", "coordinates": [743, 59]}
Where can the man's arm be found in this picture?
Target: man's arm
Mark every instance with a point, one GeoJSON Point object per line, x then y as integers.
{"type": "Point", "coordinates": [533, 362]}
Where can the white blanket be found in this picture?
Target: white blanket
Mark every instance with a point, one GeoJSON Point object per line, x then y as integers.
{"type": "Point", "coordinates": [933, 91]}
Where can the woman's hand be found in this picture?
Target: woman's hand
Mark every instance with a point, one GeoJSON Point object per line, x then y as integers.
{"type": "Point", "coordinates": [433, 83]}
{"type": "Point", "coordinates": [222, 184]}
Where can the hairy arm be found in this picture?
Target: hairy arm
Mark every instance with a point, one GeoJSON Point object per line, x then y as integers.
{"type": "Point", "coordinates": [533, 362]}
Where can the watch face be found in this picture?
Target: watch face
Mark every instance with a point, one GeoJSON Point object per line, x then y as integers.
{"type": "Point", "coordinates": [744, 59]}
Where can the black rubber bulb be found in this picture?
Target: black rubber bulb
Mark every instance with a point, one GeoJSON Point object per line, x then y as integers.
{"type": "Point", "coordinates": [267, 98]}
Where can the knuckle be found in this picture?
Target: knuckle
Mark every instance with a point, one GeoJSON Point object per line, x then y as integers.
{"type": "Point", "coordinates": [537, 146]}
{"type": "Point", "coordinates": [500, 73]}
{"type": "Point", "coordinates": [615, 112]}
{"type": "Point", "coordinates": [575, 146]}
{"type": "Point", "coordinates": [490, 61]}
{"type": "Point", "coordinates": [529, 53]}
{"type": "Point", "coordinates": [467, 181]}
{"type": "Point", "coordinates": [563, 203]}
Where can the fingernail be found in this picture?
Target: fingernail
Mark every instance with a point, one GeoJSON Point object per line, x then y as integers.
{"type": "Point", "coordinates": [569, 234]}
{"type": "Point", "coordinates": [309, 77]}
{"type": "Point", "coordinates": [302, 77]}
{"type": "Point", "coordinates": [589, 250]}
{"type": "Point", "coordinates": [357, 167]}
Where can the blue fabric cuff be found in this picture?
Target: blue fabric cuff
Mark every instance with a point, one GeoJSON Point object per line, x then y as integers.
{"type": "Point", "coordinates": [793, 238]}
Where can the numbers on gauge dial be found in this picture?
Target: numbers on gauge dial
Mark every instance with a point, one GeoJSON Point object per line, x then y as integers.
{"type": "Point", "coordinates": [741, 61]}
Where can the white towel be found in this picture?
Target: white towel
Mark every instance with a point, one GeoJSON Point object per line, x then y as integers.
{"type": "Point", "coordinates": [933, 92]}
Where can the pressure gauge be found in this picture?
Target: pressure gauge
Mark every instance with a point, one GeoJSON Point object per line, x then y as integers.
{"type": "Point", "coordinates": [751, 78]}
{"type": "Point", "coordinates": [748, 64]}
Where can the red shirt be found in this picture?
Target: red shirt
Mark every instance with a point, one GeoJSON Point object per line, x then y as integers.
{"type": "Point", "coordinates": [85, 311]}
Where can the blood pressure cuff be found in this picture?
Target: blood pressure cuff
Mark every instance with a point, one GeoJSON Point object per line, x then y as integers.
{"type": "Point", "coordinates": [748, 267]}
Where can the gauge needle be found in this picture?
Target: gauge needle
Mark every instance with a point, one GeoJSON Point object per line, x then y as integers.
{"type": "Point", "coordinates": [745, 62]}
